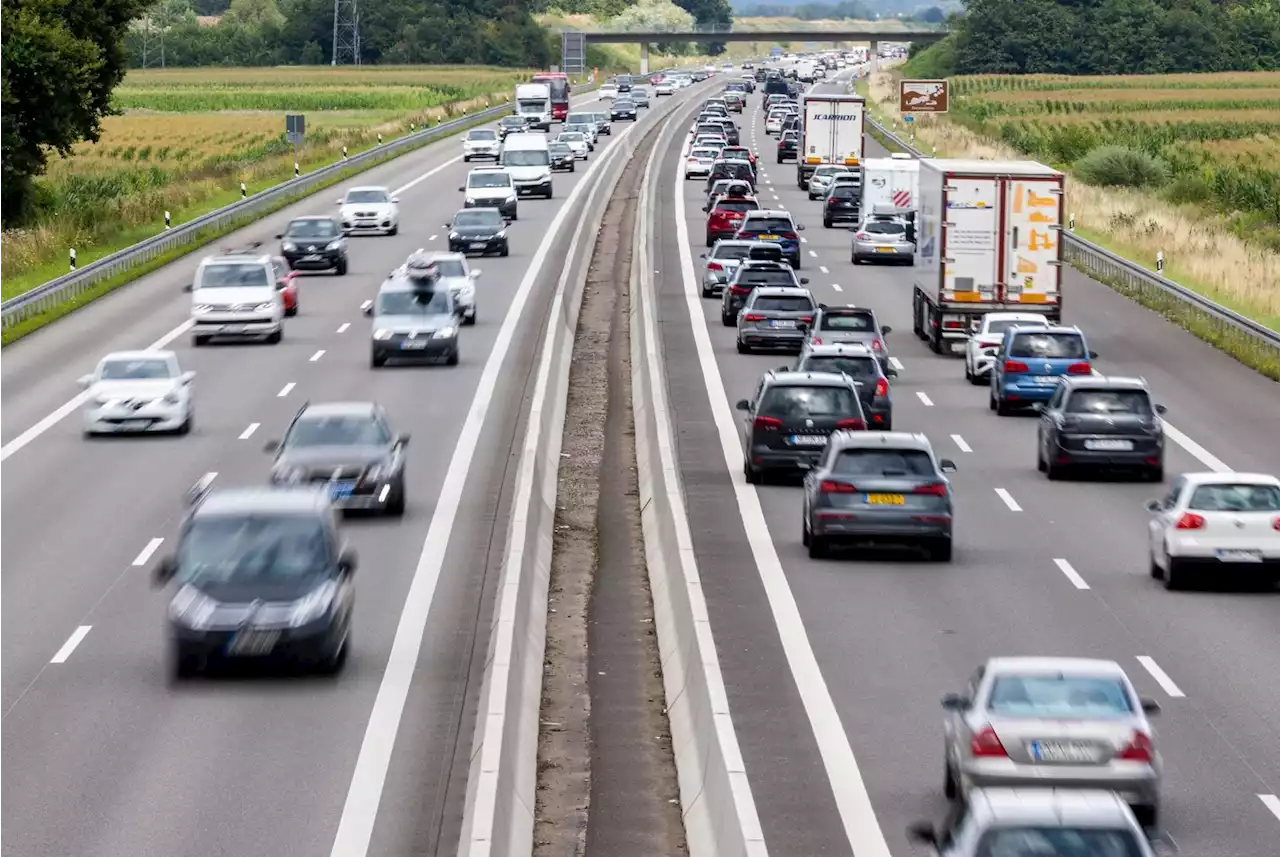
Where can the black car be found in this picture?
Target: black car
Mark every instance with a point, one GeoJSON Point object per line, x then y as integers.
{"type": "Point", "coordinates": [562, 157]}
{"type": "Point", "coordinates": [512, 125]}
{"type": "Point", "coordinates": [478, 230]}
{"type": "Point", "coordinates": [348, 449]}
{"type": "Point", "coordinates": [262, 574]}
{"type": "Point", "coordinates": [731, 132]}
{"type": "Point", "coordinates": [738, 170]}
{"type": "Point", "coordinates": [1100, 422]}
{"type": "Point", "coordinates": [699, 76]}
{"type": "Point", "coordinates": [314, 244]}
{"type": "Point", "coordinates": [787, 424]}
{"type": "Point", "coordinates": [623, 108]}
{"type": "Point", "coordinates": [842, 205]}
{"type": "Point", "coordinates": [863, 367]}
{"type": "Point", "coordinates": [751, 275]}
{"type": "Point", "coordinates": [787, 146]}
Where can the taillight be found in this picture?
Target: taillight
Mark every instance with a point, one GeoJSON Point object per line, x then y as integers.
{"type": "Point", "coordinates": [937, 489]}
{"type": "Point", "coordinates": [1015, 366]}
{"type": "Point", "coordinates": [862, 236]}
{"type": "Point", "coordinates": [877, 345]}
{"type": "Point", "coordinates": [751, 316]}
{"type": "Point", "coordinates": [827, 487]}
{"type": "Point", "coordinates": [855, 423]}
{"type": "Point", "coordinates": [715, 266]}
{"type": "Point", "coordinates": [986, 743]}
{"type": "Point", "coordinates": [1140, 749]}
{"type": "Point", "coordinates": [1191, 521]}
{"type": "Point", "coordinates": [882, 387]}
{"type": "Point", "coordinates": [768, 423]}
{"type": "Point", "coordinates": [1079, 369]}
{"type": "Point", "coordinates": [807, 319]}
{"type": "Point", "coordinates": [739, 290]}
{"type": "Point", "coordinates": [1275, 525]}
{"type": "Point", "coordinates": [817, 340]}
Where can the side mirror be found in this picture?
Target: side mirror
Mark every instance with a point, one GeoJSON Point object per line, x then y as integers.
{"type": "Point", "coordinates": [84, 380]}
{"type": "Point", "coordinates": [885, 330]}
{"type": "Point", "coordinates": [476, 273]}
{"type": "Point", "coordinates": [922, 833]}
{"type": "Point", "coordinates": [702, 255]}
{"type": "Point", "coordinates": [955, 702]}
{"type": "Point", "coordinates": [189, 287]}
{"type": "Point", "coordinates": [462, 190]}
{"type": "Point", "coordinates": [1152, 506]}
{"type": "Point", "coordinates": [280, 237]}
{"type": "Point", "coordinates": [368, 310]}
{"type": "Point", "coordinates": [706, 208]}
{"type": "Point", "coordinates": [1150, 706]}
{"type": "Point", "coordinates": [1162, 410]}
{"type": "Point", "coordinates": [402, 439]}
{"type": "Point", "coordinates": [166, 570]}
{"type": "Point", "coordinates": [1093, 355]}
{"type": "Point", "coordinates": [272, 445]}
{"type": "Point", "coordinates": [822, 306]}
{"type": "Point", "coordinates": [890, 372]}
{"type": "Point", "coordinates": [395, 199]}
{"type": "Point", "coordinates": [186, 377]}
{"type": "Point", "coordinates": [339, 202]}
{"type": "Point", "coordinates": [947, 465]}
{"type": "Point", "coordinates": [802, 327]}
{"type": "Point", "coordinates": [347, 561]}
{"type": "Point", "coordinates": [743, 405]}
{"type": "Point", "coordinates": [800, 226]}
{"type": "Point", "coordinates": [804, 281]}
{"type": "Point", "coordinates": [448, 226]}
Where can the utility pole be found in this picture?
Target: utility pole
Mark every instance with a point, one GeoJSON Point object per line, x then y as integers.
{"type": "Point", "coordinates": [346, 32]}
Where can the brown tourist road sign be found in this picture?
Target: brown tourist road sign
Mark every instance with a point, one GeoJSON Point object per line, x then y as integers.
{"type": "Point", "coordinates": [922, 96]}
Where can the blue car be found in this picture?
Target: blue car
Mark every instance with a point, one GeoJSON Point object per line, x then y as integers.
{"type": "Point", "coordinates": [1030, 362]}
{"type": "Point", "coordinates": [776, 227]}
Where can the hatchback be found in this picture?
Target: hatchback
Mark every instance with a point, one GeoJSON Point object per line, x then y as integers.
{"type": "Point", "coordinates": [775, 318]}
{"type": "Point", "coordinates": [777, 226]}
{"type": "Point", "coordinates": [1030, 363]}
{"type": "Point", "coordinates": [726, 256]}
{"type": "Point", "coordinates": [725, 215]}
{"type": "Point", "coordinates": [851, 324]}
{"type": "Point", "coordinates": [883, 240]}
{"type": "Point", "coordinates": [750, 276]}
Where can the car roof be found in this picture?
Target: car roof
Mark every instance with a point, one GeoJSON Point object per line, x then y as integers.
{"type": "Point", "coordinates": [1052, 328]}
{"type": "Point", "coordinates": [780, 292]}
{"type": "Point", "coordinates": [1053, 666]}
{"type": "Point", "coordinates": [228, 257]}
{"type": "Point", "coordinates": [847, 310]}
{"type": "Point", "coordinates": [840, 349]}
{"type": "Point", "coordinates": [1213, 478]}
{"type": "Point", "coordinates": [139, 355]}
{"type": "Point", "coordinates": [1015, 316]}
{"type": "Point", "coordinates": [1051, 807]}
{"type": "Point", "coordinates": [765, 264]}
{"type": "Point", "coordinates": [488, 169]}
{"type": "Point", "coordinates": [442, 255]}
{"type": "Point", "coordinates": [312, 217]}
{"type": "Point", "coordinates": [881, 440]}
{"type": "Point", "coordinates": [259, 500]}
{"type": "Point", "coordinates": [1104, 382]}
{"type": "Point", "coordinates": [338, 409]}
{"type": "Point", "coordinates": [809, 379]}
{"type": "Point", "coordinates": [769, 212]}
{"type": "Point", "coordinates": [369, 187]}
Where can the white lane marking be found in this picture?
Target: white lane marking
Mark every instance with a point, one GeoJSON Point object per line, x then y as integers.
{"type": "Point", "coordinates": [1197, 451]}
{"type": "Point", "coordinates": [836, 286]}
{"type": "Point", "coordinates": [775, 196]}
{"type": "Point", "coordinates": [144, 556]}
{"type": "Point", "coordinates": [355, 828]}
{"type": "Point", "coordinates": [248, 432]}
{"type": "Point", "coordinates": [285, 390]}
{"type": "Point", "coordinates": [924, 398]}
{"type": "Point", "coordinates": [433, 237]}
{"type": "Point", "coordinates": [962, 443]}
{"type": "Point", "coordinates": [1008, 500]}
{"type": "Point", "coordinates": [317, 355]}
{"type": "Point", "coordinates": [342, 328]}
{"type": "Point", "coordinates": [1074, 576]}
{"type": "Point", "coordinates": [813, 253]}
{"type": "Point", "coordinates": [803, 240]}
{"type": "Point", "coordinates": [823, 269]}
{"type": "Point", "coordinates": [894, 361]}
{"type": "Point", "coordinates": [364, 305]}
{"type": "Point", "coordinates": [70, 645]}
{"type": "Point", "coordinates": [1161, 677]}
{"type": "Point", "coordinates": [1272, 803]}
{"type": "Point", "coordinates": [861, 826]}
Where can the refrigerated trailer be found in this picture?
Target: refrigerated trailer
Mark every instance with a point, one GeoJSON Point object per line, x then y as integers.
{"type": "Point", "coordinates": [831, 129]}
{"type": "Point", "coordinates": [988, 239]}
{"type": "Point", "coordinates": [891, 184]}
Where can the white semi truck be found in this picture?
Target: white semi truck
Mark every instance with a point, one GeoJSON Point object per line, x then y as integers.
{"type": "Point", "coordinates": [831, 129]}
{"type": "Point", "coordinates": [988, 239]}
{"type": "Point", "coordinates": [891, 185]}
{"type": "Point", "coordinates": [533, 102]}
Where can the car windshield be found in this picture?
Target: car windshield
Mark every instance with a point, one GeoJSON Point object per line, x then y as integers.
{"type": "Point", "coordinates": [357, 196]}
{"type": "Point", "coordinates": [253, 548]}
{"type": "Point", "coordinates": [1134, 402]}
{"type": "Point", "coordinates": [414, 303]}
{"type": "Point", "coordinates": [1058, 842]}
{"type": "Point", "coordinates": [828, 172]}
{"type": "Point", "coordinates": [513, 122]}
{"type": "Point", "coordinates": [478, 218]}
{"type": "Point", "coordinates": [782, 303]}
{"type": "Point", "coordinates": [494, 179]}
{"type": "Point", "coordinates": [1001, 325]}
{"type": "Point", "coordinates": [527, 158]}
{"type": "Point", "coordinates": [736, 169]}
{"type": "Point", "coordinates": [858, 368]}
{"type": "Point", "coordinates": [856, 321]}
{"type": "Point", "coordinates": [136, 370]}
{"type": "Point", "coordinates": [339, 430]}
{"type": "Point", "coordinates": [792, 402]}
{"type": "Point", "coordinates": [1058, 696]}
{"type": "Point", "coordinates": [1240, 497]}
{"type": "Point", "coordinates": [769, 224]}
{"type": "Point", "coordinates": [767, 278]}
{"type": "Point", "coordinates": [450, 267]}
{"type": "Point", "coordinates": [232, 275]}
{"type": "Point", "coordinates": [313, 229]}
{"type": "Point", "coordinates": [570, 137]}
{"type": "Point", "coordinates": [482, 134]}
{"type": "Point", "coordinates": [884, 462]}
{"type": "Point", "coordinates": [884, 227]}
{"type": "Point", "coordinates": [737, 205]}
{"type": "Point", "coordinates": [1048, 346]}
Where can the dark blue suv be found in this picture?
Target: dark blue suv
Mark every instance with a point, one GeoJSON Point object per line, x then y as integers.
{"type": "Point", "coordinates": [776, 227]}
{"type": "Point", "coordinates": [1032, 360]}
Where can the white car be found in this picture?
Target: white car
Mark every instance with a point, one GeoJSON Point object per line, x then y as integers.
{"type": "Point", "coordinates": [1213, 523]}
{"type": "Point", "coordinates": [699, 162]}
{"type": "Point", "coordinates": [664, 88]}
{"type": "Point", "coordinates": [608, 91]}
{"type": "Point", "coordinates": [461, 280]}
{"type": "Point", "coordinates": [369, 210]}
{"type": "Point", "coordinates": [773, 125]}
{"type": "Point", "coordinates": [980, 350]}
{"type": "Point", "coordinates": [138, 391]}
{"type": "Point", "coordinates": [481, 143]}
{"type": "Point", "coordinates": [709, 141]}
{"type": "Point", "coordinates": [577, 142]}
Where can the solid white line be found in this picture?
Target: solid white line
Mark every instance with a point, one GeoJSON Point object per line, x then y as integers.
{"type": "Point", "coordinates": [1161, 677]}
{"type": "Point", "coordinates": [285, 390]}
{"type": "Point", "coordinates": [317, 355]}
{"type": "Point", "coordinates": [924, 398]}
{"type": "Point", "coordinates": [147, 552]}
{"type": "Point", "coordinates": [1197, 451]}
{"type": "Point", "coordinates": [342, 328]}
{"type": "Point", "coordinates": [861, 826]}
{"type": "Point", "coordinates": [360, 811]}
{"type": "Point", "coordinates": [895, 363]}
{"type": "Point", "coordinates": [1272, 803]}
{"type": "Point", "coordinates": [70, 645]}
{"type": "Point", "coordinates": [962, 443]}
{"type": "Point", "coordinates": [1071, 573]}
{"type": "Point", "coordinates": [1008, 500]}
{"type": "Point", "coordinates": [248, 432]}
{"type": "Point", "coordinates": [823, 269]}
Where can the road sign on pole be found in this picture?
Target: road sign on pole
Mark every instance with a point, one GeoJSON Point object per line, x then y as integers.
{"type": "Point", "coordinates": [923, 96]}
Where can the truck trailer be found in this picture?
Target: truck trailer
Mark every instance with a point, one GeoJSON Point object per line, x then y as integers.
{"type": "Point", "coordinates": [891, 185]}
{"type": "Point", "coordinates": [988, 239]}
{"type": "Point", "coordinates": [831, 129]}
{"type": "Point", "coordinates": [533, 103]}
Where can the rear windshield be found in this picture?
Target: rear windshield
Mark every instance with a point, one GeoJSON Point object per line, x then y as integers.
{"type": "Point", "coordinates": [1075, 697]}
{"type": "Point", "coordinates": [1236, 498]}
{"type": "Point", "coordinates": [769, 224]}
{"type": "Point", "coordinates": [884, 462]}
{"type": "Point", "coordinates": [844, 191]}
{"type": "Point", "coordinates": [1058, 842]}
{"type": "Point", "coordinates": [737, 205]}
{"type": "Point", "coordinates": [792, 402]}
{"type": "Point", "coordinates": [767, 278]}
{"type": "Point", "coordinates": [858, 368]}
{"type": "Point", "coordinates": [783, 304]}
{"type": "Point", "coordinates": [730, 251]}
{"type": "Point", "coordinates": [848, 321]}
{"type": "Point", "coordinates": [737, 169]}
{"type": "Point", "coordinates": [883, 228]}
{"type": "Point", "coordinates": [1101, 402]}
{"type": "Point", "coordinates": [1002, 326]}
{"type": "Point", "coordinates": [1049, 346]}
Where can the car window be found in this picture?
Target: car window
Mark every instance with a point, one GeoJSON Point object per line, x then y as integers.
{"type": "Point", "coordinates": [312, 229]}
{"type": "Point", "coordinates": [367, 196]}
{"type": "Point", "coordinates": [494, 179]}
{"type": "Point", "coordinates": [1058, 842]}
{"type": "Point", "coordinates": [344, 430]}
{"type": "Point", "coordinates": [769, 224]}
{"type": "Point", "coordinates": [478, 218]}
{"type": "Point", "coordinates": [233, 275]}
{"type": "Point", "coordinates": [482, 134]}
{"type": "Point", "coordinates": [136, 370]}
{"type": "Point", "coordinates": [1241, 497]}
{"type": "Point", "coordinates": [782, 304]}
{"type": "Point", "coordinates": [856, 321]}
{"type": "Point", "coordinates": [767, 278]}
{"type": "Point", "coordinates": [253, 549]}
{"type": "Point", "coordinates": [843, 191]}
{"type": "Point", "coordinates": [1059, 696]}
{"type": "Point", "coordinates": [1102, 402]}
{"type": "Point", "coordinates": [526, 158]}
{"type": "Point", "coordinates": [1048, 346]}
{"type": "Point", "coordinates": [884, 462]}
{"type": "Point", "coordinates": [1001, 325]}
{"type": "Point", "coordinates": [450, 268]}
{"type": "Point", "coordinates": [792, 402]}
{"type": "Point", "coordinates": [766, 253]}
{"type": "Point", "coordinates": [414, 303]}
{"type": "Point", "coordinates": [737, 205]}
{"type": "Point", "coordinates": [571, 137]}
{"type": "Point", "coordinates": [858, 368]}
{"type": "Point", "coordinates": [883, 228]}
{"type": "Point", "coordinates": [730, 251]}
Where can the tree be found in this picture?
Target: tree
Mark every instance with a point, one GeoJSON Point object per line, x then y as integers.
{"type": "Point", "coordinates": [62, 59]}
{"type": "Point", "coordinates": [709, 13]}
{"type": "Point", "coordinates": [661, 16]}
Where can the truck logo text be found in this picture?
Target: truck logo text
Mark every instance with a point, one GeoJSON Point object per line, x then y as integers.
{"type": "Point", "coordinates": [833, 117]}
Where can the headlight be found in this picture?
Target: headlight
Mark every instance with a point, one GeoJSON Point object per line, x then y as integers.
{"type": "Point", "coordinates": [453, 236]}
{"type": "Point", "coordinates": [288, 247]}
{"type": "Point", "coordinates": [445, 332]}
{"type": "Point", "coordinates": [266, 306]}
{"type": "Point", "coordinates": [171, 399]}
{"type": "Point", "coordinates": [192, 608]}
{"type": "Point", "coordinates": [382, 333]}
{"type": "Point", "coordinates": [313, 605]}
{"type": "Point", "coordinates": [510, 199]}
{"type": "Point", "coordinates": [334, 245]}
{"type": "Point", "coordinates": [502, 234]}
{"type": "Point", "coordinates": [201, 308]}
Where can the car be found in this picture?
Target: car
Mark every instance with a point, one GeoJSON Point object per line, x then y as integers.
{"type": "Point", "coordinates": [981, 347]}
{"type": "Point", "coordinates": [623, 82]}
{"type": "Point", "coordinates": [773, 123]}
{"type": "Point", "coordinates": [774, 225]}
{"type": "Point", "coordinates": [1040, 821]}
{"type": "Point", "coordinates": [664, 88]}
{"type": "Point", "coordinates": [289, 293]}
{"type": "Point", "coordinates": [750, 275]}
{"type": "Point", "coordinates": [710, 141]}
{"type": "Point", "coordinates": [880, 239]}
{"type": "Point", "coordinates": [738, 153]}
{"type": "Point", "coordinates": [775, 318]}
{"type": "Point", "coordinates": [1214, 524]}
{"type": "Point", "coordinates": [732, 135]}
{"type": "Point", "coordinates": [1095, 421]}
{"type": "Point", "coordinates": [698, 163]}
{"type": "Point", "coordinates": [349, 450]}
{"type": "Point", "coordinates": [1031, 362]}
{"type": "Point", "coordinates": [725, 257]}
{"type": "Point", "coordinates": [584, 122]}
{"type": "Point", "coordinates": [455, 273]}
{"type": "Point", "coordinates": [589, 131]}
{"type": "Point", "coordinates": [413, 319]}
{"type": "Point", "coordinates": [261, 574]}
{"type": "Point", "coordinates": [608, 91]}
{"type": "Point", "coordinates": [576, 141]}
{"type": "Point", "coordinates": [640, 96]}
{"type": "Point", "coordinates": [509, 125]}
{"type": "Point", "coordinates": [481, 143]}
{"type": "Point", "coordinates": [787, 145]}
{"type": "Point", "coordinates": [623, 108]}
{"type": "Point", "coordinates": [1052, 722]}
{"type": "Point", "coordinates": [842, 204]}
{"type": "Point", "coordinates": [562, 157]}
{"type": "Point", "coordinates": [314, 244]}
{"type": "Point", "coordinates": [735, 101]}
{"type": "Point", "coordinates": [789, 421]}
{"type": "Point", "coordinates": [731, 169]}
{"type": "Point", "coordinates": [728, 187]}
{"type": "Point", "coordinates": [863, 367]}
{"type": "Point", "coordinates": [851, 325]}
{"type": "Point", "coordinates": [479, 230]}
{"type": "Point", "coordinates": [821, 178]}
{"type": "Point", "coordinates": [135, 392]}
{"type": "Point", "coordinates": [725, 213]}
{"type": "Point", "coordinates": [491, 187]}
{"type": "Point", "coordinates": [603, 123]}
{"type": "Point", "coordinates": [238, 295]}
{"type": "Point", "coordinates": [369, 211]}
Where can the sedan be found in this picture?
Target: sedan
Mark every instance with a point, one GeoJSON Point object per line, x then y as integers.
{"type": "Point", "coordinates": [138, 391]}
{"type": "Point", "coordinates": [575, 141]}
{"type": "Point", "coordinates": [478, 230]}
{"type": "Point", "coordinates": [562, 157]}
{"type": "Point", "coordinates": [512, 125]}
{"type": "Point", "coordinates": [623, 108]}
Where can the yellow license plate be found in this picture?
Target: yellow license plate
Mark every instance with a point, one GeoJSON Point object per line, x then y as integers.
{"type": "Point", "coordinates": [768, 237]}
{"type": "Point", "coordinates": [884, 249]}
{"type": "Point", "coordinates": [886, 499]}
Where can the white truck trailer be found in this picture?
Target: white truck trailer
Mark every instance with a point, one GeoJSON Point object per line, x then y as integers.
{"type": "Point", "coordinates": [988, 239]}
{"type": "Point", "coordinates": [891, 185]}
{"type": "Point", "coordinates": [533, 102]}
{"type": "Point", "coordinates": [831, 129]}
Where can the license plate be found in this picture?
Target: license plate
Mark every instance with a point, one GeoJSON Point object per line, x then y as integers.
{"type": "Point", "coordinates": [1047, 379]}
{"type": "Point", "coordinates": [1239, 556]}
{"type": "Point", "coordinates": [233, 328]}
{"type": "Point", "coordinates": [768, 237]}
{"type": "Point", "coordinates": [884, 249]}
{"type": "Point", "coordinates": [413, 345]}
{"type": "Point", "coordinates": [314, 257]}
{"type": "Point", "coordinates": [886, 499]}
{"type": "Point", "coordinates": [338, 490]}
{"type": "Point", "coordinates": [809, 440]}
{"type": "Point", "coordinates": [253, 642]}
{"type": "Point", "coordinates": [1063, 751]}
{"type": "Point", "coordinates": [1108, 445]}
{"type": "Point", "coordinates": [783, 324]}
{"type": "Point", "coordinates": [477, 245]}
{"type": "Point", "coordinates": [135, 424]}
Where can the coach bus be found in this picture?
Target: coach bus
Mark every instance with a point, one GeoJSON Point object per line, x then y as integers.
{"type": "Point", "coordinates": [559, 83]}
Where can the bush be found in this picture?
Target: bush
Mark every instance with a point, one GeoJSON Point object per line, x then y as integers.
{"type": "Point", "coordinates": [1120, 166]}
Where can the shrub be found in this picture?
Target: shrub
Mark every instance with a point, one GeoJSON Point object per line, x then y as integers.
{"type": "Point", "coordinates": [1120, 166]}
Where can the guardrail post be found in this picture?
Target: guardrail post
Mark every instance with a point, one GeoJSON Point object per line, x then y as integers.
{"type": "Point", "coordinates": [344, 153]}
{"type": "Point", "coordinates": [167, 223]}
{"type": "Point", "coordinates": [379, 138]}
{"type": "Point", "coordinates": [412, 127]}
{"type": "Point", "coordinates": [1071, 222]}
{"type": "Point", "coordinates": [1159, 261]}
{"type": "Point", "coordinates": [297, 171]}
{"type": "Point", "coordinates": [73, 258]}
{"type": "Point", "coordinates": [244, 191]}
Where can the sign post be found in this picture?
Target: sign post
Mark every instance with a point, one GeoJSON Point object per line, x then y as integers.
{"type": "Point", "coordinates": [923, 96]}
{"type": "Point", "coordinates": [295, 129]}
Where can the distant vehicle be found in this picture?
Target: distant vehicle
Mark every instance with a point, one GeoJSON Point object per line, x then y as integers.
{"type": "Point", "coordinates": [479, 230]}
{"type": "Point", "coordinates": [533, 104]}
{"type": "Point", "coordinates": [526, 157]}
{"type": "Point", "coordinates": [369, 210]}
{"type": "Point", "coordinates": [138, 392]}
{"type": "Point", "coordinates": [481, 143]}
{"type": "Point", "coordinates": [558, 82]}
{"type": "Point", "coordinates": [314, 244]}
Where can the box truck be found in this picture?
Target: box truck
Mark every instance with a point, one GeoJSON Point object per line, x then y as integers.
{"type": "Point", "coordinates": [988, 239]}
{"type": "Point", "coordinates": [533, 102]}
{"type": "Point", "coordinates": [830, 133]}
{"type": "Point", "coordinates": [891, 185]}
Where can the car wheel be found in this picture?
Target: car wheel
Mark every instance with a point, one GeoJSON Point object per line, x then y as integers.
{"type": "Point", "coordinates": [968, 374]}
{"type": "Point", "coordinates": [333, 662]}
{"type": "Point", "coordinates": [826, 223]}
{"type": "Point", "coordinates": [1175, 577]}
{"type": "Point", "coordinates": [819, 548]}
{"type": "Point", "coordinates": [276, 336]}
{"type": "Point", "coordinates": [1154, 569]}
{"type": "Point", "coordinates": [751, 474]}
{"type": "Point", "coordinates": [707, 293]}
{"type": "Point", "coordinates": [991, 401]}
{"type": "Point", "coordinates": [470, 320]}
{"type": "Point", "coordinates": [940, 550]}
{"type": "Point", "coordinates": [341, 269]}
{"type": "Point", "coordinates": [452, 360]}
{"type": "Point", "coordinates": [198, 341]}
{"type": "Point", "coordinates": [710, 241]}
{"type": "Point", "coordinates": [506, 250]}
{"type": "Point", "coordinates": [184, 665]}
{"type": "Point", "coordinates": [1054, 472]}
{"type": "Point", "coordinates": [1147, 816]}
{"type": "Point", "coordinates": [726, 319]}
{"type": "Point", "coordinates": [949, 786]}
{"type": "Point", "coordinates": [1040, 462]}
{"type": "Point", "coordinates": [515, 215]}
{"type": "Point", "coordinates": [466, 159]}
{"type": "Point", "coordinates": [1002, 409]}
{"type": "Point", "coordinates": [376, 360]}
{"type": "Point", "coordinates": [395, 508]}
{"type": "Point", "coordinates": [573, 168]}
{"type": "Point", "coordinates": [743, 348]}
{"type": "Point", "coordinates": [1156, 474]}
{"type": "Point", "coordinates": [395, 230]}
{"type": "Point", "coordinates": [185, 428]}
{"type": "Point", "coordinates": [804, 531]}
{"type": "Point", "coordinates": [291, 311]}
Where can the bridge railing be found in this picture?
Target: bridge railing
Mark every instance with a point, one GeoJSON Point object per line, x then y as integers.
{"type": "Point", "coordinates": [817, 28]}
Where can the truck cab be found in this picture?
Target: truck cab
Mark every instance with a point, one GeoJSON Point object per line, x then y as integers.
{"type": "Point", "coordinates": [533, 104]}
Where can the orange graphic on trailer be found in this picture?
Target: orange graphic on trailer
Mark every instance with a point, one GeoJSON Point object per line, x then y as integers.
{"type": "Point", "coordinates": [1040, 201]}
{"type": "Point", "coordinates": [1033, 201]}
{"type": "Point", "coordinates": [1041, 217]}
{"type": "Point", "coordinates": [1026, 266]}
{"type": "Point", "coordinates": [1041, 240]}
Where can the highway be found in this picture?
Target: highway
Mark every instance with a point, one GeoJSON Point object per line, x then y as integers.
{"type": "Point", "coordinates": [102, 756]}
{"type": "Point", "coordinates": [835, 669]}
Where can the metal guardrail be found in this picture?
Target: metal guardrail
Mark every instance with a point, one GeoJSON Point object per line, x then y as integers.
{"type": "Point", "coordinates": [1248, 341]}
{"type": "Point", "coordinates": [72, 285]}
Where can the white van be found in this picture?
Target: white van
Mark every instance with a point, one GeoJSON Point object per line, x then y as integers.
{"type": "Point", "coordinates": [528, 160]}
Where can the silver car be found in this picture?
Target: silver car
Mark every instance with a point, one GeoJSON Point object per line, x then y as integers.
{"type": "Point", "coordinates": [775, 318]}
{"type": "Point", "coordinates": [850, 324]}
{"type": "Point", "coordinates": [727, 255]}
{"type": "Point", "coordinates": [589, 130]}
{"type": "Point", "coordinates": [640, 96]}
{"type": "Point", "coordinates": [821, 179]}
{"type": "Point", "coordinates": [881, 239]}
{"type": "Point", "coordinates": [1053, 722]}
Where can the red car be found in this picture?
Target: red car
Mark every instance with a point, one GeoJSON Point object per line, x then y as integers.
{"type": "Point", "coordinates": [290, 293]}
{"type": "Point", "coordinates": [725, 214]}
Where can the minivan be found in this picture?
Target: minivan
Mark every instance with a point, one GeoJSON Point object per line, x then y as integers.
{"type": "Point", "coordinates": [1031, 362]}
{"type": "Point", "coordinates": [528, 160]}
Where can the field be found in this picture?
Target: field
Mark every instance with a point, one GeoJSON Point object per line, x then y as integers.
{"type": "Point", "coordinates": [1208, 191]}
{"type": "Point", "coordinates": [187, 138]}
